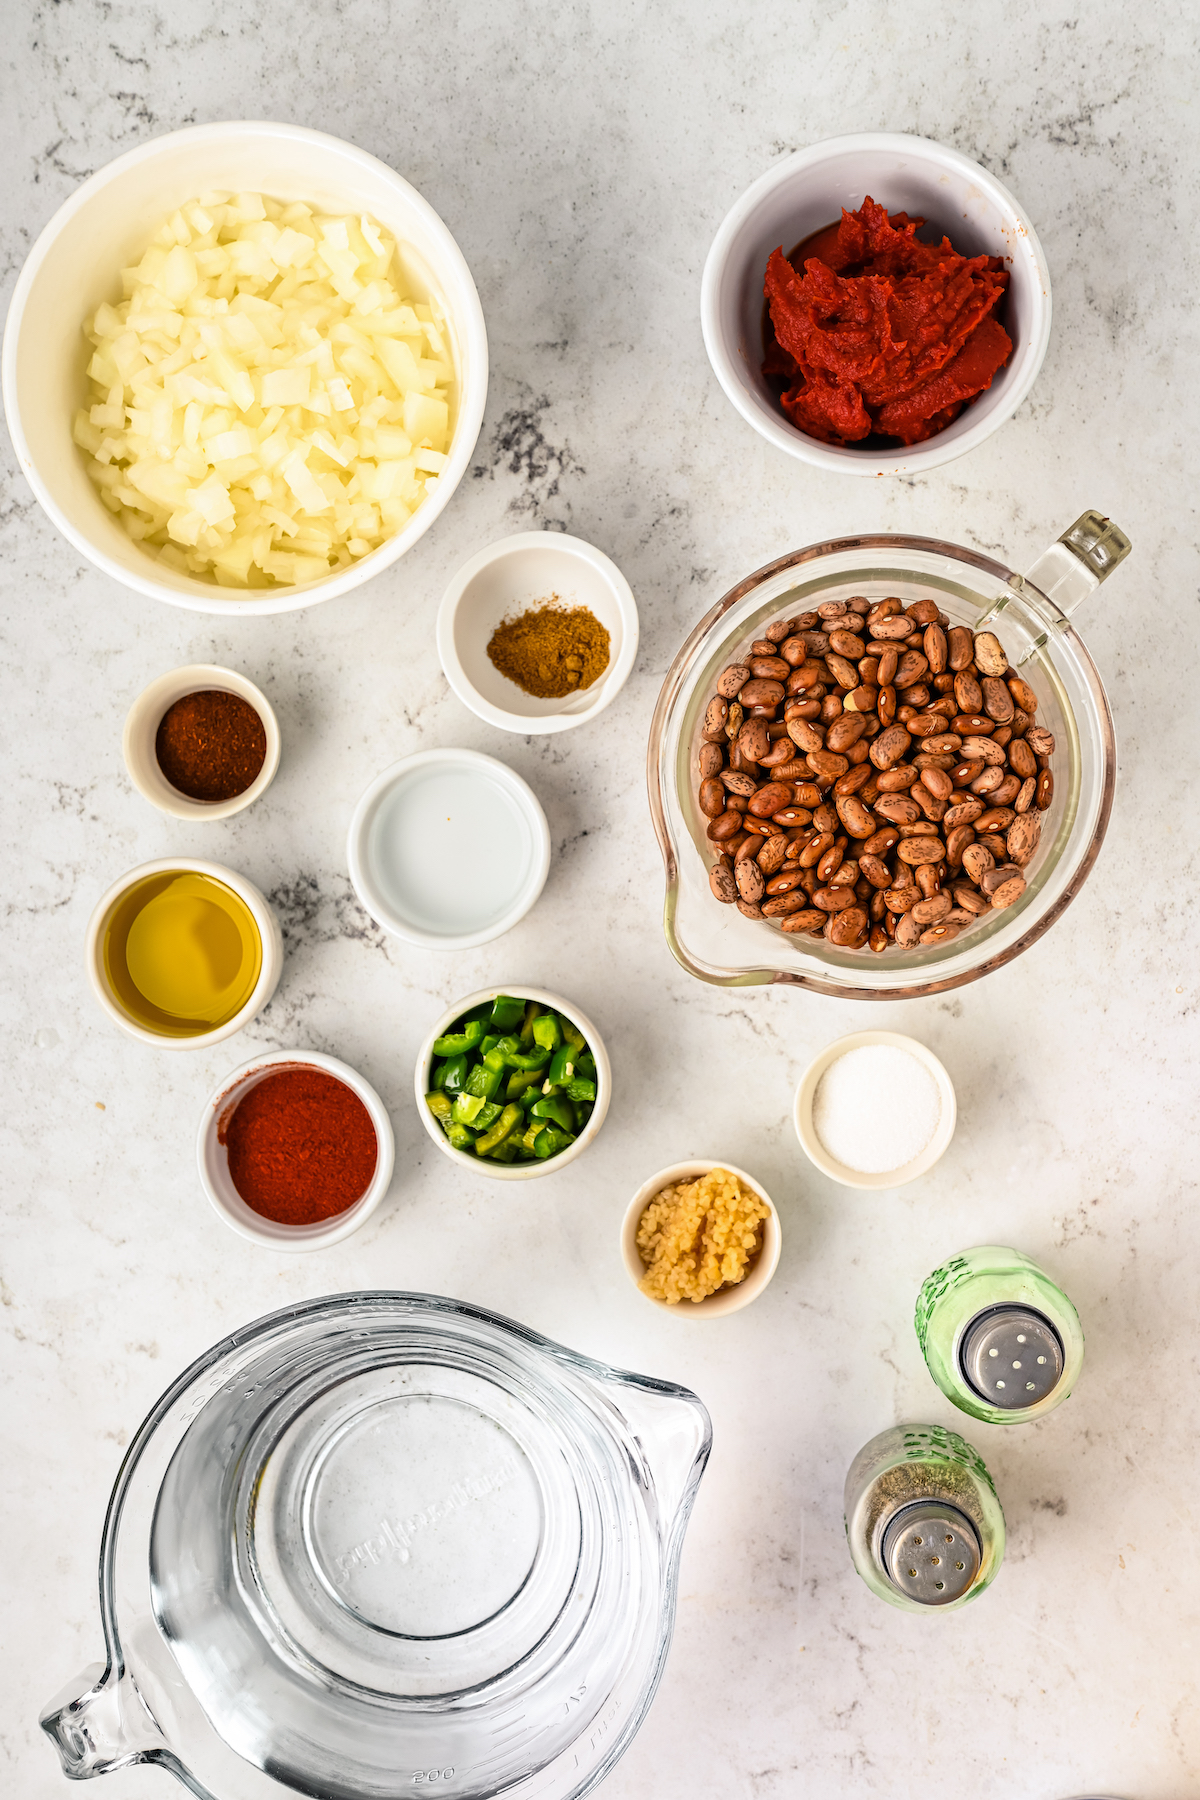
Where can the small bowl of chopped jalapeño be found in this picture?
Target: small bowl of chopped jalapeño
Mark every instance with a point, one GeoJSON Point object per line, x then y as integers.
{"type": "Point", "coordinates": [538, 632]}
{"type": "Point", "coordinates": [514, 1084]}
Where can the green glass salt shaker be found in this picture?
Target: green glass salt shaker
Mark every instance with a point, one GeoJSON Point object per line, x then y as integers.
{"type": "Point", "coordinates": [999, 1338]}
{"type": "Point", "coordinates": [923, 1522]}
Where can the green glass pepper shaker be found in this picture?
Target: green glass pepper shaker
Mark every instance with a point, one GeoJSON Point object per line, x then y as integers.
{"type": "Point", "coordinates": [999, 1338]}
{"type": "Point", "coordinates": [923, 1522]}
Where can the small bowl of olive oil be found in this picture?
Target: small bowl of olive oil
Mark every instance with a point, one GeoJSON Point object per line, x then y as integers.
{"type": "Point", "coordinates": [182, 953]}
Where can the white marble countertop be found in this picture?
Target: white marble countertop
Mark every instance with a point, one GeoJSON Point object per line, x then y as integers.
{"type": "Point", "coordinates": [583, 156]}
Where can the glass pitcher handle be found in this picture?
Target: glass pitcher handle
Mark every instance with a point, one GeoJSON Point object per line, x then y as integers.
{"type": "Point", "coordinates": [1085, 555]}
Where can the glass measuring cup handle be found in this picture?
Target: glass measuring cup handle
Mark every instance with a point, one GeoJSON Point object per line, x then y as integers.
{"type": "Point", "coordinates": [101, 1723]}
{"type": "Point", "coordinates": [1085, 555]}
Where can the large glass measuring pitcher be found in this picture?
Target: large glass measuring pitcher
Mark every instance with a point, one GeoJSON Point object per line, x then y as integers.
{"type": "Point", "coordinates": [385, 1542]}
{"type": "Point", "coordinates": [1030, 613]}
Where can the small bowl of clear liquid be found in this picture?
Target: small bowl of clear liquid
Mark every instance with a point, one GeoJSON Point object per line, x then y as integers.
{"type": "Point", "coordinates": [448, 849]}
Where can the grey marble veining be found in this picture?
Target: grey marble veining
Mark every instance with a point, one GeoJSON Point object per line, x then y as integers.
{"type": "Point", "coordinates": [584, 156]}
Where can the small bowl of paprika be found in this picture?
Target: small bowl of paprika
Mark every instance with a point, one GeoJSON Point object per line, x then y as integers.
{"type": "Point", "coordinates": [295, 1150]}
{"type": "Point", "coordinates": [201, 743]}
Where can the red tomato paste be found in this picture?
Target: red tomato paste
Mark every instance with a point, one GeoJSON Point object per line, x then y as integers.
{"type": "Point", "coordinates": [881, 335]}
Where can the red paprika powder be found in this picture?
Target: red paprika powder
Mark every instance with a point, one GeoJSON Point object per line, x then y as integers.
{"type": "Point", "coordinates": [301, 1146]}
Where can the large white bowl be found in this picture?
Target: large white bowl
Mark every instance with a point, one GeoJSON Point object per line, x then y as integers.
{"type": "Point", "coordinates": [77, 261]}
{"type": "Point", "coordinates": [802, 193]}
{"type": "Point", "coordinates": [513, 576]}
{"type": "Point", "coordinates": [483, 1165]}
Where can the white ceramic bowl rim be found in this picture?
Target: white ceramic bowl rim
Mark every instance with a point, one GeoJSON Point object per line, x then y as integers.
{"type": "Point", "coordinates": [269, 935]}
{"type": "Point", "coordinates": [375, 902]}
{"type": "Point", "coordinates": [141, 730]}
{"type": "Point", "coordinates": [978, 421]}
{"type": "Point", "coordinates": [234, 1211]}
{"type": "Point", "coordinates": [892, 1178]}
{"type": "Point", "coordinates": [472, 391]}
{"type": "Point", "coordinates": [484, 1165]}
{"type": "Point", "coordinates": [725, 1300]}
{"type": "Point", "coordinates": [609, 684]}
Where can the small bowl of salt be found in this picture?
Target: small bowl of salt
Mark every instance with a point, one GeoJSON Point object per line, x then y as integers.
{"type": "Point", "coordinates": [875, 1110]}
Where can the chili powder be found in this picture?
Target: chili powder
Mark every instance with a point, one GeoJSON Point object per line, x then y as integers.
{"type": "Point", "coordinates": [211, 745]}
{"type": "Point", "coordinates": [301, 1146]}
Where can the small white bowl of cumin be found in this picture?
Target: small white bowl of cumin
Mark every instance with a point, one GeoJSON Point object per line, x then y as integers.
{"type": "Point", "coordinates": [520, 575]}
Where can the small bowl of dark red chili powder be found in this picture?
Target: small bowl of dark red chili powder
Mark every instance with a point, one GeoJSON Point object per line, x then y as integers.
{"type": "Point", "coordinates": [201, 743]}
{"type": "Point", "coordinates": [295, 1150]}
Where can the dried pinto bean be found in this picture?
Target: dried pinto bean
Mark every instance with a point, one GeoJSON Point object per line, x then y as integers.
{"type": "Point", "coordinates": [809, 920]}
{"type": "Point", "coordinates": [720, 880]}
{"type": "Point", "coordinates": [712, 798]}
{"type": "Point", "coordinates": [749, 878]}
{"type": "Point", "coordinates": [1044, 792]}
{"type": "Point", "coordinates": [1007, 892]}
{"type": "Point", "coordinates": [716, 714]}
{"type": "Point", "coordinates": [849, 929]}
{"type": "Point", "coordinates": [1022, 694]}
{"type": "Point", "coordinates": [997, 701]}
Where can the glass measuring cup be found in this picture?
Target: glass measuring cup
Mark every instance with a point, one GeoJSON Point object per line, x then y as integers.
{"type": "Point", "coordinates": [1030, 614]}
{"type": "Point", "coordinates": [385, 1541]}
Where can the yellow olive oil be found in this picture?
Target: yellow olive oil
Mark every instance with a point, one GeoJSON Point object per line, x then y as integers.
{"type": "Point", "coordinates": [182, 953]}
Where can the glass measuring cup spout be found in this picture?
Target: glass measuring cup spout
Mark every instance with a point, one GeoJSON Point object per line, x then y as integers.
{"type": "Point", "coordinates": [380, 1540]}
{"type": "Point", "coordinates": [674, 1434]}
{"type": "Point", "coordinates": [101, 1723]}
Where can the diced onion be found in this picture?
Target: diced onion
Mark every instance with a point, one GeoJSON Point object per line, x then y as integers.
{"type": "Point", "coordinates": [266, 403]}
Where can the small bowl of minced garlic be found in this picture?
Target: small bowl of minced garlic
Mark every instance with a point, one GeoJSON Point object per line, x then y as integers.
{"type": "Point", "coordinates": [701, 1239]}
{"type": "Point", "coordinates": [538, 632]}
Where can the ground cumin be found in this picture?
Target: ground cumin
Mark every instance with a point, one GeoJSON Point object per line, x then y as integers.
{"type": "Point", "coordinates": [551, 651]}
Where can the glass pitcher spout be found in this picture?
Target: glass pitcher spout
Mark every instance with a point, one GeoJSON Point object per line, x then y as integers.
{"type": "Point", "coordinates": [101, 1723]}
{"type": "Point", "coordinates": [674, 1433]}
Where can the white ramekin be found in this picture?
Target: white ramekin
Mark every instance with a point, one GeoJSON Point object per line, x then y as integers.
{"type": "Point", "coordinates": [106, 224]}
{"type": "Point", "coordinates": [815, 1149]}
{"type": "Point", "coordinates": [268, 931]}
{"type": "Point", "coordinates": [727, 1300]}
{"type": "Point", "coordinates": [383, 907]}
{"type": "Point", "coordinates": [513, 576]}
{"type": "Point", "coordinates": [803, 192]}
{"type": "Point", "coordinates": [141, 732]}
{"type": "Point", "coordinates": [212, 1157]}
{"type": "Point", "coordinates": [483, 1165]}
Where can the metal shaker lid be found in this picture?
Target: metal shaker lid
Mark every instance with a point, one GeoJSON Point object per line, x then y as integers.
{"type": "Point", "coordinates": [931, 1552]}
{"type": "Point", "coordinates": [1011, 1356]}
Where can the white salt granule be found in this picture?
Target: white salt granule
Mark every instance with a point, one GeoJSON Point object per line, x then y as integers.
{"type": "Point", "coordinates": [876, 1108]}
